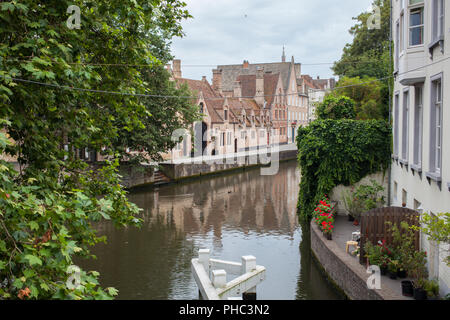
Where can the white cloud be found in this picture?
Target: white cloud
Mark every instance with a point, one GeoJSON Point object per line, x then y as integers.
{"type": "Point", "coordinates": [230, 31]}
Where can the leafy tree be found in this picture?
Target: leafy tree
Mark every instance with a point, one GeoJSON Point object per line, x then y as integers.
{"type": "Point", "coordinates": [368, 57]}
{"type": "Point", "coordinates": [368, 54]}
{"type": "Point", "coordinates": [170, 111]}
{"type": "Point", "coordinates": [336, 108]}
{"type": "Point", "coordinates": [367, 93]}
{"type": "Point", "coordinates": [49, 202]}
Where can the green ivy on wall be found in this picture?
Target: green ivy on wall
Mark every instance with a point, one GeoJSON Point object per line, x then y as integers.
{"type": "Point", "coordinates": [334, 152]}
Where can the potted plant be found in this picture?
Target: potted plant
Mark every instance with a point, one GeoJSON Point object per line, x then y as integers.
{"type": "Point", "coordinates": [407, 288]}
{"type": "Point", "coordinates": [323, 217]}
{"type": "Point", "coordinates": [432, 289]}
{"type": "Point", "coordinates": [401, 272]}
{"type": "Point", "coordinates": [418, 270]}
{"type": "Point", "coordinates": [327, 228]}
{"type": "Point", "coordinates": [419, 292]}
{"type": "Point", "coordinates": [363, 199]}
{"type": "Point", "coordinates": [384, 261]}
{"type": "Point", "coordinates": [353, 207]}
{"type": "Point", "coordinates": [386, 255]}
{"type": "Point", "coordinates": [403, 239]}
{"type": "Point", "coordinates": [393, 268]}
{"type": "Point", "coordinates": [373, 254]}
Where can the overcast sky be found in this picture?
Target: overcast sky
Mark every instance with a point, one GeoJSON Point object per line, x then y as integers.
{"type": "Point", "coordinates": [231, 31]}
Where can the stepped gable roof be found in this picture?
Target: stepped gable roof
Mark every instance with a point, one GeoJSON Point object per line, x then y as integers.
{"type": "Point", "coordinates": [231, 72]}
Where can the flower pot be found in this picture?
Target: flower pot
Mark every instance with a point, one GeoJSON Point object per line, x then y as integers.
{"type": "Point", "coordinates": [328, 236]}
{"type": "Point", "coordinates": [392, 275]}
{"type": "Point", "coordinates": [407, 288]}
{"type": "Point", "coordinates": [351, 218]}
{"type": "Point", "coordinates": [383, 270]}
{"type": "Point", "coordinates": [356, 222]}
{"type": "Point", "coordinates": [401, 274]}
{"type": "Point", "coordinates": [420, 294]}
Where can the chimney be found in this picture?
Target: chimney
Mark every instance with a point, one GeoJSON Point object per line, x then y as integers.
{"type": "Point", "coordinates": [283, 57]}
{"type": "Point", "coordinates": [318, 77]}
{"type": "Point", "coordinates": [245, 65]}
{"type": "Point", "coordinates": [204, 79]}
{"type": "Point", "coordinates": [176, 65]}
{"type": "Point", "coordinates": [217, 80]}
{"type": "Point", "coordinates": [259, 96]}
{"type": "Point", "coordinates": [237, 89]}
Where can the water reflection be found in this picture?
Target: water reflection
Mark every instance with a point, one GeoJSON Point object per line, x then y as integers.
{"type": "Point", "coordinates": [233, 215]}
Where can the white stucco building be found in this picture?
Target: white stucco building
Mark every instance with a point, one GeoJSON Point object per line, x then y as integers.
{"type": "Point", "coordinates": [421, 116]}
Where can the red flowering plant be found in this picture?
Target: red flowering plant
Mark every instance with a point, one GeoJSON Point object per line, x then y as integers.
{"type": "Point", "coordinates": [323, 215]}
{"type": "Point", "coordinates": [386, 254]}
{"type": "Point", "coordinates": [328, 226]}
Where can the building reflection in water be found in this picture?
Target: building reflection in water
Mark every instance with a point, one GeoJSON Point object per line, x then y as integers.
{"type": "Point", "coordinates": [233, 215]}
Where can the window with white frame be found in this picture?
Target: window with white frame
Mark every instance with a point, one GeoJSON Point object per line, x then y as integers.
{"type": "Point", "coordinates": [416, 24]}
{"type": "Point", "coordinates": [436, 125]}
{"type": "Point", "coordinates": [437, 20]}
{"type": "Point", "coordinates": [405, 126]}
{"type": "Point", "coordinates": [396, 123]}
{"type": "Point", "coordinates": [262, 134]}
{"type": "Point", "coordinates": [229, 138]}
{"type": "Point", "coordinates": [418, 125]}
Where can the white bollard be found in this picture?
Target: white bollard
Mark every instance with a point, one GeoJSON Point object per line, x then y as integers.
{"type": "Point", "coordinates": [203, 258]}
{"type": "Point", "coordinates": [248, 264]}
{"type": "Point", "coordinates": [219, 279]}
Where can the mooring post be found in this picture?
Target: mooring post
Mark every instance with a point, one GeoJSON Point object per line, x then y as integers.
{"type": "Point", "coordinates": [203, 258]}
{"type": "Point", "coordinates": [219, 279]}
{"type": "Point", "coordinates": [248, 265]}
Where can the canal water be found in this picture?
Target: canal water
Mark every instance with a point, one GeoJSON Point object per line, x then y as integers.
{"type": "Point", "coordinates": [237, 214]}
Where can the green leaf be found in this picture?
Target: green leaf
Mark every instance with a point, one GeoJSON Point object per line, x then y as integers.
{"type": "Point", "coordinates": [112, 291]}
{"type": "Point", "coordinates": [7, 6]}
{"type": "Point", "coordinates": [18, 284]}
{"type": "Point", "coordinates": [33, 225]}
{"type": "Point", "coordinates": [44, 286]}
{"type": "Point", "coordinates": [33, 260]}
{"type": "Point", "coordinates": [28, 273]}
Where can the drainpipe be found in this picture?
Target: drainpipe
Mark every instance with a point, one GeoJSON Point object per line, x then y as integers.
{"type": "Point", "coordinates": [390, 100]}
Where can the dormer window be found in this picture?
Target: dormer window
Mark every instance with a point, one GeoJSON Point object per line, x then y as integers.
{"type": "Point", "coordinates": [225, 115]}
{"type": "Point", "coordinates": [201, 107]}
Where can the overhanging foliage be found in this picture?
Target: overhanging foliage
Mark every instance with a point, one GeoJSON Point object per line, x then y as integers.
{"type": "Point", "coordinates": [334, 152]}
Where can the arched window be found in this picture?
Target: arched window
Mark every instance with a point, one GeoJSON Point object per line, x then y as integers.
{"type": "Point", "coordinates": [201, 107]}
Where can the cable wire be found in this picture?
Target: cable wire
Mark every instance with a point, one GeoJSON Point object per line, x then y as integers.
{"type": "Point", "coordinates": [66, 87]}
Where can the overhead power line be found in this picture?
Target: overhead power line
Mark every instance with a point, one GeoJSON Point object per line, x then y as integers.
{"type": "Point", "coordinates": [20, 59]}
{"type": "Point", "coordinates": [67, 87]}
